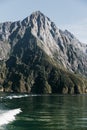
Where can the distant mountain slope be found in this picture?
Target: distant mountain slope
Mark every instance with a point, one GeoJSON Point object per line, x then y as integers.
{"type": "Point", "coordinates": [37, 57]}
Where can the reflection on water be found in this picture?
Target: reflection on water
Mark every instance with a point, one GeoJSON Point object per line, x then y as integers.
{"type": "Point", "coordinates": [49, 112]}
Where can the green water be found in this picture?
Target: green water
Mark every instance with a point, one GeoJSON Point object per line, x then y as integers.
{"type": "Point", "coordinates": [47, 112]}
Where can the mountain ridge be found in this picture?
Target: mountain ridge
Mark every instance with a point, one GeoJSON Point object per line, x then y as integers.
{"type": "Point", "coordinates": [36, 42]}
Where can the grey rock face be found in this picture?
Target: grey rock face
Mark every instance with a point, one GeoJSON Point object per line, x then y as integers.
{"type": "Point", "coordinates": [4, 50]}
{"type": "Point", "coordinates": [60, 45]}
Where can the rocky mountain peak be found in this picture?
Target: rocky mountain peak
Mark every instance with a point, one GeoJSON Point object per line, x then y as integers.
{"type": "Point", "coordinates": [36, 16]}
{"type": "Point", "coordinates": [43, 29]}
{"type": "Point", "coordinates": [37, 13]}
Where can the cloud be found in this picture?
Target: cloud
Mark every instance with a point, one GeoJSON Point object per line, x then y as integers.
{"type": "Point", "coordinates": [79, 29]}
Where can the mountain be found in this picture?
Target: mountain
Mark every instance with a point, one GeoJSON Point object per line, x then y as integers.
{"type": "Point", "coordinates": [38, 57]}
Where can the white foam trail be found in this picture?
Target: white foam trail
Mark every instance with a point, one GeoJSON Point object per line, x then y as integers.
{"type": "Point", "coordinates": [14, 96]}
{"type": "Point", "coordinates": [8, 116]}
{"type": "Point", "coordinates": [17, 96]}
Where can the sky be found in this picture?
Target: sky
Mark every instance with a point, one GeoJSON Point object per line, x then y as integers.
{"type": "Point", "coordinates": [66, 14]}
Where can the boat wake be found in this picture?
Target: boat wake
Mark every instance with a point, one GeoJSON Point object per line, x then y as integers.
{"type": "Point", "coordinates": [16, 96]}
{"type": "Point", "coordinates": [7, 116]}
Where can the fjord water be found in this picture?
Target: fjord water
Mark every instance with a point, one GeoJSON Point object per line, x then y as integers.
{"type": "Point", "coordinates": [43, 112]}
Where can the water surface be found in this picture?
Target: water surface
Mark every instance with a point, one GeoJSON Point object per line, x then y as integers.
{"type": "Point", "coordinates": [43, 112]}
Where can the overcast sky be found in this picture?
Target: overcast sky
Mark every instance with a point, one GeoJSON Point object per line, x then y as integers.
{"type": "Point", "coordinates": [67, 14]}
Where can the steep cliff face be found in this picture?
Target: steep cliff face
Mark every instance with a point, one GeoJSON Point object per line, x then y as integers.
{"type": "Point", "coordinates": [37, 57]}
